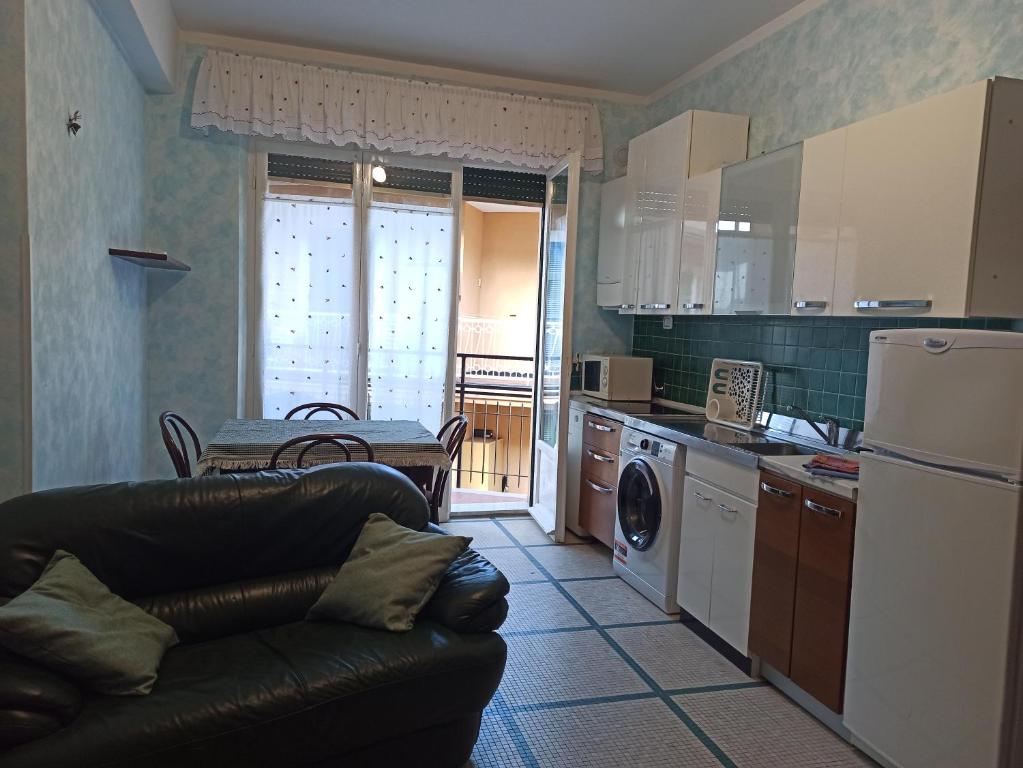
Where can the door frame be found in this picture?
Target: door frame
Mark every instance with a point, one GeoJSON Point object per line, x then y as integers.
{"type": "Point", "coordinates": [573, 164]}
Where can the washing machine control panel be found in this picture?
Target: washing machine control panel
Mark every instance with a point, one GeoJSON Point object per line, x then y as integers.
{"type": "Point", "coordinates": [637, 442]}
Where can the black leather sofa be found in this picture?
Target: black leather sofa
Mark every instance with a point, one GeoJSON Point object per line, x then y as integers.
{"type": "Point", "coordinates": [233, 563]}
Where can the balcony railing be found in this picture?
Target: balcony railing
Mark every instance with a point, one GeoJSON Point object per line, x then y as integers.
{"type": "Point", "coordinates": [495, 392]}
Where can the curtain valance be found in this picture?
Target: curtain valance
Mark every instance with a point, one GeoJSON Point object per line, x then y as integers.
{"type": "Point", "coordinates": [301, 102]}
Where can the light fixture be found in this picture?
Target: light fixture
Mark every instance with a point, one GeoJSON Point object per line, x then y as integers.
{"type": "Point", "coordinates": [379, 174]}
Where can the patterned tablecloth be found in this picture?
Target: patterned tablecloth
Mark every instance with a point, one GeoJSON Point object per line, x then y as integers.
{"type": "Point", "coordinates": [249, 444]}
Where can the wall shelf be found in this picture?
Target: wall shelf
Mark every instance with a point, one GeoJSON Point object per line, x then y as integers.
{"type": "Point", "coordinates": [149, 259]}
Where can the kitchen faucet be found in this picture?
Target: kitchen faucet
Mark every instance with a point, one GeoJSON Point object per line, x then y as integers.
{"type": "Point", "coordinates": [830, 437]}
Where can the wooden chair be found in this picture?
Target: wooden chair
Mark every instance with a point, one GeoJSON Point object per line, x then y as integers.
{"type": "Point", "coordinates": [452, 437]}
{"type": "Point", "coordinates": [175, 443]}
{"type": "Point", "coordinates": [340, 411]}
{"type": "Point", "coordinates": [335, 438]}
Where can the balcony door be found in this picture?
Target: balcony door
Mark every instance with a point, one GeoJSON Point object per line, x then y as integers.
{"type": "Point", "coordinates": [355, 283]}
{"type": "Point", "coordinates": [554, 348]}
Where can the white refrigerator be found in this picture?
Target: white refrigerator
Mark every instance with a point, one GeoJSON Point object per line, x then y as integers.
{"type": "Point", "coordinates": [934, 677]}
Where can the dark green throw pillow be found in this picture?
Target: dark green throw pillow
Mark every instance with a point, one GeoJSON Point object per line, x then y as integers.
{"type": "Point", "coordinates": [70, 622]}
{"type": "Point", "coordinates": [391, 574]}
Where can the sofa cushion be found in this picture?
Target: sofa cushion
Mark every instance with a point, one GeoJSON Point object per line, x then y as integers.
{"type": "Point", "coordinates": [70, 622]}
{"type": "Point", "coordinates": [388, 577]}
{"type": "Point", "coordinates": [294, 694]}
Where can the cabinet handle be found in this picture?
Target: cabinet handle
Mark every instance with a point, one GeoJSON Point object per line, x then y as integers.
{"type": "Point", "coordinates": [626, 306]}
{"type": "Point", "coordinates": [600, 457]}
{"type": "Point", "coordinates": [701, 497]}
{"type": "Point", "coordinates": [599, 488]}
{"type": "Point", "coordinates": [728, 509]}
{"type": "Point", "coordinates": [692, 306]}
{"type": "Point", "coordinates": [655, 306]}
{"type": "Point", "coordinates": [775, 491]}
{"type": "Point", "coordinates": [802, 304]}
{"type": "Point", "coordinates": [600, 427]}
{"type": "Point", "coordinates": [820, 509]}
{"type": "Point", "coordinates": [863, 304]}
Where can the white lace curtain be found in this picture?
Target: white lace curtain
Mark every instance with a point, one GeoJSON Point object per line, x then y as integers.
{"type": "Point", "coordinates": [267, 97]}
{"type": "Point", "coordinates": [409, 314]}
{"type": "Point", "coordinates": [310, 304]}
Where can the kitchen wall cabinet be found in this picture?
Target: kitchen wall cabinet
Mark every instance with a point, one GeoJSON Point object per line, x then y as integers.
{"type": "Point", "coordinates": [716, 551]}
{"type": "Point", "coordinates": [660, 164]}
{"type": "Point", "coordinates": [802, 577]}
{"type": "Point", "coordinates": [699, 242]}
{"type": "Point", "coordinates": [756, 234]}
{"type": "Point", "coordinates": [929, 207]}
{"type": "Point", "coordinates": [611, 246]}
{"type": "Point", "coordinates": [820, 207]}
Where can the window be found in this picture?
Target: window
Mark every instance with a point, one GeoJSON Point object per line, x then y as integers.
{"type": "Point", "coordinates": [356, 297]}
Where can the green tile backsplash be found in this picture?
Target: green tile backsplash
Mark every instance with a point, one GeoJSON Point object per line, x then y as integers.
{"type": "Point", "coordinates": [817, 363]}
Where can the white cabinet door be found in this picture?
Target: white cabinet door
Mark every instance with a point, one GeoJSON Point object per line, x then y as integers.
{"type": "Point", "coordinates": [699, 239]}
{"type": "Point", "coordinates": [612, 244]}
{"type": "Point", "coordinates": [820, 206]}
{"type": "Point", "coordinates": [696, 551]}
{"type": "Point", "coordinates": [639, 151]}
{"type": "Point", "coordinates": [659, 202]}
{"type": "Point", "coordinates": [736, 522]}
{"type": "Point", "coordinates": [908, 204]}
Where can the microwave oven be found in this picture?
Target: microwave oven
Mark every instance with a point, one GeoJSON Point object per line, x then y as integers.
{"type": "Point", "coordinates": [612, 377]}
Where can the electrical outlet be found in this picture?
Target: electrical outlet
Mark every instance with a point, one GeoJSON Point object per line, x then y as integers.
{"type": "Point", "coordinates": [667, 322]}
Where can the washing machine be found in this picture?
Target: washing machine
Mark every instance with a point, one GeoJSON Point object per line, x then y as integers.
{"type": "Point", "coordinates": [648, 524]}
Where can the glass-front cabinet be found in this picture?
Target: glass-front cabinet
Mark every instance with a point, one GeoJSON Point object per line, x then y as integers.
{"type": "Point", "coordinates": [756, 234]}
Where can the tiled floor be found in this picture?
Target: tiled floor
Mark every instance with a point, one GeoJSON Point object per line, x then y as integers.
{"type": "Point", "coordinates": [599, 678]}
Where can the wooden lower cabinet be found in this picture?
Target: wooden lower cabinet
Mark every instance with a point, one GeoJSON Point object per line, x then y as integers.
{"type": "Point", "coordinates": [820, 627]}
{"type": "Point", "coordinates": [802, 576]}
{"type": "Point", "coordinates": [597, 509]}
{"type": "Point", "coordinates": [598, 485]}
{"type": "Point", "coordinates": [775, 562]}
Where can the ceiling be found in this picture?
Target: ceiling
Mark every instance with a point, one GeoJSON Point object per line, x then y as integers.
{"type": "Point", "coordinates": [489, 207]}
{"type": "Point", "coordinates": [628, 47]}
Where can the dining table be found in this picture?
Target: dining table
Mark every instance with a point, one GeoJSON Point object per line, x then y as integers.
{"type": "Point", "coordinates": [246, 445]}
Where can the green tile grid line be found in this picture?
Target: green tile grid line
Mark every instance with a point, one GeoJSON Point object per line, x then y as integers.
{"type": "Point", "coordinates": [818, 363]}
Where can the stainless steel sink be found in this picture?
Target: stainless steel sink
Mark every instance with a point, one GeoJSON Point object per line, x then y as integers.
{"type": "Point", "coordinates": [775, 449]}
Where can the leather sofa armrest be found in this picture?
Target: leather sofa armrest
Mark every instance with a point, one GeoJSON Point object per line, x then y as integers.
{"type": "Point", "coordinates": [34, 702]}
{"type": "Point", "coordinates": [471, 596]}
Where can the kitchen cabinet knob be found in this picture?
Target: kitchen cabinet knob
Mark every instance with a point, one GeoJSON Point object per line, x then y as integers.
{"type": "Point", "coordinates": [599, 427]}
{"type": "Point", "coordinates": [864, 304]}
{"type": "Point", "coordinates": [775, 491]}
{"type": "Point", "coordinates": [600, 457]}
{"type": "Point", "coordinates": [599, 488]}
{"type": "Point", "coordinates": [820, 509]}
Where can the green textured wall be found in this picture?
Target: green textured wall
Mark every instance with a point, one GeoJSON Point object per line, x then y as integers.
{"type": "Point", "coordinates": [819, 364]}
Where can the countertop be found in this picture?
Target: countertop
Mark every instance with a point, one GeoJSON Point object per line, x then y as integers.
{"type": "Point", "coordinates": [792, 468]}
{"type": "Point", "coordinates": [689, 428]}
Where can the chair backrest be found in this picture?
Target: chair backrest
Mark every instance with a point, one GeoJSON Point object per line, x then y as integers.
{"type": "Point", "coordinates": [452, 437]}
{"type": "Point", "coordinates": [210, 556]}
{"type": "Point", "coordinates": [335, 409]}
{"type": "Point", "coordinates": [171, 426]}
{"type": "Point", "coordinates": [336, 439]}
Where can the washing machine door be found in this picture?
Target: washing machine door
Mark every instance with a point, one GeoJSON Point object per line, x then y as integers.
{"type": "Point", "coordinates": [639, 504]}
